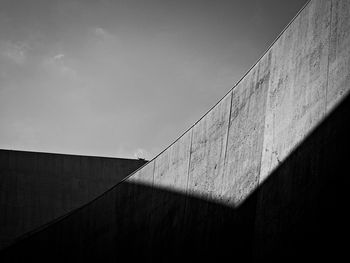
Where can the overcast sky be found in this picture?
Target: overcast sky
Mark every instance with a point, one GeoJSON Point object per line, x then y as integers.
{"type": "Point", "coordinates": [123, 78]}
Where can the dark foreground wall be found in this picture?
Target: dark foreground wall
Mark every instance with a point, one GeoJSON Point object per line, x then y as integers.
{"type": "Point", "coordinates": [36, 188]}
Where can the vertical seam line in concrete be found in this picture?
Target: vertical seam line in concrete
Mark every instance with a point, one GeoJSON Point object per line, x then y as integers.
{"type": "Point", "coordinates": [189, 161]}
{"type": "Point", "coordinates": [227, 137]}
{"type": "Point", "coordinates": [328, 58]}
{"type": "Point", "coordinates": [266, 109]}
{"type": "Point", "coordinates": [188, 174]}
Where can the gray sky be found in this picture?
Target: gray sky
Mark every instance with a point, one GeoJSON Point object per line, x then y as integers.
{"type": "Point", "coordinates": [123, 78]}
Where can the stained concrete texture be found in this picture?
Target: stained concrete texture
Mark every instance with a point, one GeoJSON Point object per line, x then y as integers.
{"type": "Point", "coordinates": [246, 134]}
{"type": "Point", "coordinates": [36, 188]}
{"type": "Point", "coordinates": [207, 153]}
{"type": "Point", "coordinates": [171, 167]}
{"type": "Point", "coordinates": [252, 179]}
{"type": "Point", "coordinates": [339, 57]}
{"type": "Point", "coordinates": [296, 99]}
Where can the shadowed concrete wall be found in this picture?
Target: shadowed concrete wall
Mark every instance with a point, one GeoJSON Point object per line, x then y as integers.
{"type": "Point", "coordinates": [239, 174]}
{"type": "Point", "coordinates": [298, 214]}
{"type": "Point", "coordinates": [36, 188]}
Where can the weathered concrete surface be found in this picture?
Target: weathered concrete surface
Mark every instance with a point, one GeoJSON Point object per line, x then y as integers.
{"type": "Point", "coordinates": [246, 133]}
{"type": "Point", "coordinates": [208, 151]}
{"type": "Point", "coordinates": [339, 58]}
{"type": "Point", "coordinates": [36, 188]}
{"type": "Point", "coordinates": [297, 90]}
{"type": "Point", "coordinates": [171, 168]}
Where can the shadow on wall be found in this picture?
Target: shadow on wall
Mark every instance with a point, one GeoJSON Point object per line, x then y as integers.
{"type": "Point", "coordinates": [36, 188]}
{"type": "Point", "coordinates": [297, 214]}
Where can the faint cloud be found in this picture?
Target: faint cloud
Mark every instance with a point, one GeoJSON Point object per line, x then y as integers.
{"type": "Point", "coordinates": [58, 64]}
{"type": "Point", "coordinates": [16, 52]}
{"type": "Point", "coordinates": [103, 33]}
{"type": "Point", "coordinates": [141, 154]}
{"type": "Point", "coordinates": [58, 57]}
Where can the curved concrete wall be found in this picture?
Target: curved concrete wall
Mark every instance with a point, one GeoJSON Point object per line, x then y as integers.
{"type": "Point", "coordinates": [36, 188]}
{"type": "Point", "coordinates": [290, 90]}
{"type": "Point", "coordinates": [248, 175]}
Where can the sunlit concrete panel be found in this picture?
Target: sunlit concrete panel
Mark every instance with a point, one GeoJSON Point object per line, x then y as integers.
{"type": "Point", "coordinates": [339, 59]}
{"type": "Point", "coordinates": [246, 133]}
{"type": "Point", "coordinates": [296, 99]}
{"type": "Point", "coordinates": [208, 148]}
{"type": "Point", "coordinates": [171, 167]}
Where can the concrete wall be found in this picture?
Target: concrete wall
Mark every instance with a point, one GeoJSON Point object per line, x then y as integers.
{"type": "Point", "coordinates": [290, 90]}
{"type": "Point", "coordinates": [298, 214]}
{"type": "Point", "coordinates": [251, 178]}
{"type": "Point", "coordinates": [36, 188]}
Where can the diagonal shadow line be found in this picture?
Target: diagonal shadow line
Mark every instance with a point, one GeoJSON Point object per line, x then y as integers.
{"type": "Point", "coordinates": [29, 204]}
{"type": "Point", "coordinates": [292, 216]}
